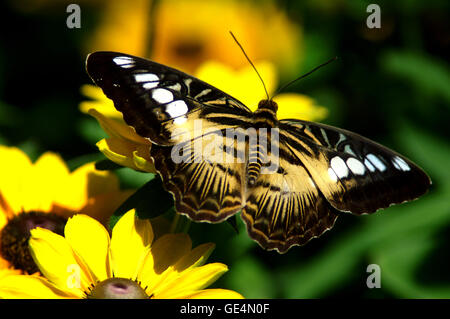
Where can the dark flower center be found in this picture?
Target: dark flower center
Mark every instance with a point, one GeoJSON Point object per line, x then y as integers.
{"type": "Point", "coordinates": [117, 288]}
{"type": "Point", "coordinates": [15, 235]}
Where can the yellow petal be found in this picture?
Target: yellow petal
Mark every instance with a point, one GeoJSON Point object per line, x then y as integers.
{"type": "Point", "coordinates": [128, 154]}
{"type": "Point", "coordinates": [159, 263]}
{"type": "Point", "coordinates": [15, 167]}
{"type": "Point", "coordinates": [141, 159]}
{"type": "Point", "coordinates": [5, 212]}
{"type": "Point", "coordinates": [298, 106]}
{"type": "Point", "coordinates": [130, 240]}
{"type": "Point", "coordinates": [196, 257]}
{"type": "Point", "coordinates": [215, 294]}
{"type": "Point", "coordinates": [191, 280]}
{"type": "Point", "coordinates": [169, 249]}
{"type": "Point", "coordinates": [90, 241]}
{"type": "Point", "coordinates": [116, 128]}
{"type": "Point", "coordinates": [49, 173]}
{"type": "Point", "coordinates": [99, 102]}
{"type": "Point", "coordinates": [84, 183]}
{"type": "Point", "coordinates": [58, 263]}
{"type": "Point", "coordinates": [30, 287]}
{"type": "Point", "coordinates": [7, 270]}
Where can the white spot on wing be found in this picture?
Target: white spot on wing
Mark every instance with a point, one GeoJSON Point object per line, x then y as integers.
{"type": "Point", "coordinates": [376, 162]}
{"type": "Point", "coordinates": [180, 120]}
{"type": "Point", "coordinates": [177, 108]}
{"type": "Point", "coordinates": [339, 167]}
{"type": "Point", "coordinates": [151, 80]}
{"type": "Point", "coordinates": [356, 166]}
{"type": "Point", "coordinates": [332, 175]}
{"type": "Point", "coordinates": [369, 165]}
{"type": "Point", "coordinates": [145, 77]}
{"type": "Point", "coordinates": [162, 96]}
{"type": "Point", "coordinates": [400, 164]}
{"type": "Point", "coordinates": [150, 85]}
{"type": "Point", "coordinates": [124, 61]}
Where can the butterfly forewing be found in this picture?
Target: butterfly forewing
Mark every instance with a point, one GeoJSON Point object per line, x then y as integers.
{"type": "Point", "coordinates": [156, 99]}
{"type": "Point", "coordinates": [354, 173]}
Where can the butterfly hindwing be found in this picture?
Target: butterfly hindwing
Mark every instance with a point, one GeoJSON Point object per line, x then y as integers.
{"type": "Point", "coordinates": [156, 99]}
{"type": "Point", "coordinates": [207, 183]}
{"type": "Point", "coordinates": [354, 173]}
{"type": "Point", "coordinates": [285, 207]}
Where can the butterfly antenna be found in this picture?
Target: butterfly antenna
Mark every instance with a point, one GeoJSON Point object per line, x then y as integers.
{"type": "Point", "coordinates": [303, 76]}
{"type": "Point", "coordinates": [251, 63]}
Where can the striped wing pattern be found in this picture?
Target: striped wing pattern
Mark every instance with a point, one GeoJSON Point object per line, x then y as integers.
{"type": "Point", "coordinates": [322, 171]}
{"type": "Point", "coordinates": [203, 189]}
{"type": "Point", "coordinates": [286, 208]}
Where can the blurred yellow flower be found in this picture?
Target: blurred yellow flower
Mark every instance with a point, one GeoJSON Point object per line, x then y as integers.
{"type": "Point", "coordinates": [87, 263]}
{"type": "Point", "coordinates": [45, 194]}
{"type": "Point", "coordinates": [124, 26]}
{"type": "Point", "coordinates": [244, 85]}
{"type": "Point", "coordinates": [188, 33]}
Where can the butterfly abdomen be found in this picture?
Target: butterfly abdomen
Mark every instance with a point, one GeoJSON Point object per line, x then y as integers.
{"type": "Point", "coordinates": [263, 118]}
{"type": "Point", "coordinates": [255, 160]}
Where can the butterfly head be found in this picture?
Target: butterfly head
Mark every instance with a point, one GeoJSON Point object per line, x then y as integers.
{"type": "Point", "coordinates": [268, 105]}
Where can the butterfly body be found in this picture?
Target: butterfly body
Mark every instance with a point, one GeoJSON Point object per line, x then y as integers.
{"type": "Point", "coordinates": [290, 179]}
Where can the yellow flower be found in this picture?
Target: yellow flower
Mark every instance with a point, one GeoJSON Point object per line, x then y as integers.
{"type": "Point", "coordinates": [124, 146]}
{"type": "Point", "coordinates": [87, 263]}
{"type": "Point", "coordinates": [191, 32]}
{"type": "Point", "coordinates": [45, 194]}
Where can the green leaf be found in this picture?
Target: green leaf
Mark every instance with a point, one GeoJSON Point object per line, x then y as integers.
{"type": "Point", "coordinates": [399, 261]}
{"type": "Point", "coordinates": [131, 178]}
{"type": "Point", "coordinates": [426, 73]}
{"type": "Point", "coordinates": [90, 130]}
{"type": "Point", "coordinates": [430, 152]}
{"type": "Point", "coordinates": [151, 200]}
{"type": "Point", "coordinates": [251, 278]}
{"type": "Point", "coordinates": [327, 271]}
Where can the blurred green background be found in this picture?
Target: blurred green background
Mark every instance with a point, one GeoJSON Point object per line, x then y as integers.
{"type": "Point", "coordinates": [390, 84]}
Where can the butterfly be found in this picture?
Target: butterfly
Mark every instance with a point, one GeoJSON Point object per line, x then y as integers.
{"type": "Point", "coordinates": [320, 171]}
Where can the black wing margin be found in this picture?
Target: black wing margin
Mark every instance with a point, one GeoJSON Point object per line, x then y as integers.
{"type": "Point", "coordinates": [354, 173]}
